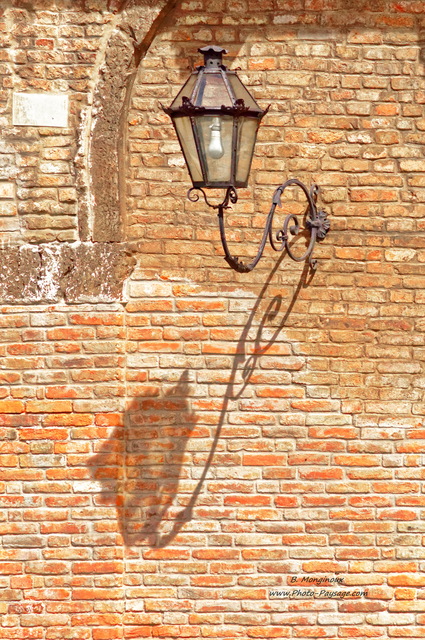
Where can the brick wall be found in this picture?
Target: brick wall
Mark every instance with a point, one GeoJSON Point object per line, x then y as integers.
{"type": "Point", "coordinates": [173, 456]}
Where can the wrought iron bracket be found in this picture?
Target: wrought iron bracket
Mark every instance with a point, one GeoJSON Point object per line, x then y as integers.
{"type": "Point", "coordinates": [316, 222]}
{"type": "Point", "coordinates": [231, 196]}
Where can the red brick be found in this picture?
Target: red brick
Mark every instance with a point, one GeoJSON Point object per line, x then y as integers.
{"type": "Point", "coordinates": [11, 406]}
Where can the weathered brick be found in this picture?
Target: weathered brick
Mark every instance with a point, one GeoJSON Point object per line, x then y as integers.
{"type": "Point", "coordinates": [169, 459]}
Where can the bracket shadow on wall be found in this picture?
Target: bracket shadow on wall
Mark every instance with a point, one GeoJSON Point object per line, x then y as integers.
{"type": "Point", "coordinates": [216, 120]}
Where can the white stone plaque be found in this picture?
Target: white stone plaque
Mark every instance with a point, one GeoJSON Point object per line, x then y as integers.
{"type": "Point", "coordinates": [40, 109]}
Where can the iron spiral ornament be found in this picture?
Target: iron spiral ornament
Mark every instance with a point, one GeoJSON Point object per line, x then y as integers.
{"type": "Point", "coordinates": [317, 224]}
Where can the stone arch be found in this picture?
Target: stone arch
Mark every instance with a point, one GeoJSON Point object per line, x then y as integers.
{"type": "Point", "coordinates": [133, 30]}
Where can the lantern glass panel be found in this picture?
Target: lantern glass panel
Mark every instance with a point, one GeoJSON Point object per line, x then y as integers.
{"type": "Point", "coordinates": [212, 91]}
{"type": "Point", "coordinates": [185, 91]}
{"type": "Point", "coordinates": [242, 93]}
{"type": "Point", "coordinates": [247, 134]}
{"type": "Point", "coordinates": [184, 130]}
{"type": "Point", "coordinates": [216, 136]}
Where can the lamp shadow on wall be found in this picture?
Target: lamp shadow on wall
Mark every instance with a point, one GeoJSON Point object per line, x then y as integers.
{"type": "Point", "coordinates": [142, 479]}
{"type": "Point", "coordinates": [154, 493]}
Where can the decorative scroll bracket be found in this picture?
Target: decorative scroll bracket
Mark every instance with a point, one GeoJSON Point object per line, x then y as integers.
{"type": "Point", "coordinates": [316, 222]}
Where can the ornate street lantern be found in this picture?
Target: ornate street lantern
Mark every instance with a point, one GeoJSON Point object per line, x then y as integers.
{"type": "Point", "coordinates": [216, 120]}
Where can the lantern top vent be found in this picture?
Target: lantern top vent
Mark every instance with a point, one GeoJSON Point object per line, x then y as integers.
{"type": "Point", "coordinates": [213, 56]}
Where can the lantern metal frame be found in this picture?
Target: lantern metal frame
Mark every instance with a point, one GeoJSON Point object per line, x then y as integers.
{"type": "Point", "coordinates": [316, 220]}
{"type": "Point", "coordinates": [187, 108]}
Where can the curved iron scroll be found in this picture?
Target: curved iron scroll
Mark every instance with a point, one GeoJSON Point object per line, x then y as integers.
{"type": "Point", "coordinates": [316, 221]}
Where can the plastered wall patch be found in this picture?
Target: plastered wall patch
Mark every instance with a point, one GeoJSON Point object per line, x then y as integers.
{"type": "Point", "coordinates": [40, 110]}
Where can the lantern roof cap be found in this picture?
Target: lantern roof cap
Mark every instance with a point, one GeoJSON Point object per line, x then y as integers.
{"type": "Point", "coordinates": [212, 48]}
{"type": "Point", "coordinates": [214, 90]}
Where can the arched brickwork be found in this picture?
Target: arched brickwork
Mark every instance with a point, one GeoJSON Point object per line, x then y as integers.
{"type": "Point", "coordinates": [134, 30]}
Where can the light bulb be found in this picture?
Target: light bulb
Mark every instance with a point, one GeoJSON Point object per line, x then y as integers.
{"type": "Point", "coordinates": [215, 148]}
